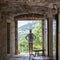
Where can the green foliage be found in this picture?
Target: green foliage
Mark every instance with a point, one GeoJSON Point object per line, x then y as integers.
{"type": "Point", "coordinates": [38, 32]}
{"type": "Point", "coordinates": [23, 43]}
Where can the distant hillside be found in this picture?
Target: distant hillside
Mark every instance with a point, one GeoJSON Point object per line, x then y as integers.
{"type": "Point", "coordinates": [23, 30]}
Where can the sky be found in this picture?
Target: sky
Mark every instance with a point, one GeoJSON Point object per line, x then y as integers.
{"type": "Point", "coordinates": [20, 23]}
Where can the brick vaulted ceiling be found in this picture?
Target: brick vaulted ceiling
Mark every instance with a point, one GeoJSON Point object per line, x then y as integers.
{"type": "Point", "coordinates": [17, 7]}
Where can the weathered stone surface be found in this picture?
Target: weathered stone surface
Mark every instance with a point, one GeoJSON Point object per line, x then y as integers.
{"type": "Point", "coordinates": [3, 38]}
{"type": "Point", "coordinates": [50, 39]}
{"type": "Point", "coordinates": [12, 37]}
{"type": "Point", "coordinates": [59, 38]}
{"type": "Point", "coordinates": [29, 16]}
{"type": "Point", "coordinates": [16, 37]}
{"type": "Point", "coordinates": [21, 7]}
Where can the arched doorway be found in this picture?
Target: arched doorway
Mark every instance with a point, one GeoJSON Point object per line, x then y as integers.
{"type": "Point", "coordinates": [35, 17]}
{"type": "Point", "coordinates": [31, 17]}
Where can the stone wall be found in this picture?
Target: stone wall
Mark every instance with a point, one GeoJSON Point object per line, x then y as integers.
{"type": "Point", "coordinates": [3, 38]}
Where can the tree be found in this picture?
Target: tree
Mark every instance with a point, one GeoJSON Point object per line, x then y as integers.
{"type": "Point", "coordinates": [23, 45]}
{"type": "Point", "coordinates": [38, 32]}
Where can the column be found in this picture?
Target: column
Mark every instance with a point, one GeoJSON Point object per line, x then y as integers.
{"type": "Point", "coordinates": [50, 36]}
{"type": "Point", "coordinates": [3, 37]}
{"type": "Point", "coordinates": [43, 37]}
{"type": "Point", "coordinates": [12, 36]}
{"type": "Point", "coordinates": [59, 36]}
{"type": "Point", "coordinates": [43, 41]}
{"type": "Point", "coordinates": [16, 38]}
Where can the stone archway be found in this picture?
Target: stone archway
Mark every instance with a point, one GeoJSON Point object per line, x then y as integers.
{"type": "Point", "coordinates": [14, 8]}
{"type": "Point", "coordinates": [30, 17]}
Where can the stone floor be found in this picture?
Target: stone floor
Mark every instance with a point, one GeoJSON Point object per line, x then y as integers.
{"type": "Point", "coordinates": [29, 57]}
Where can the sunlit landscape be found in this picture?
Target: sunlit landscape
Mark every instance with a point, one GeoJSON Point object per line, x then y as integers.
{"type": "Point", "coordinates": [36, 26]}
{"type": "Point", "coordinates": [23, 30]}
